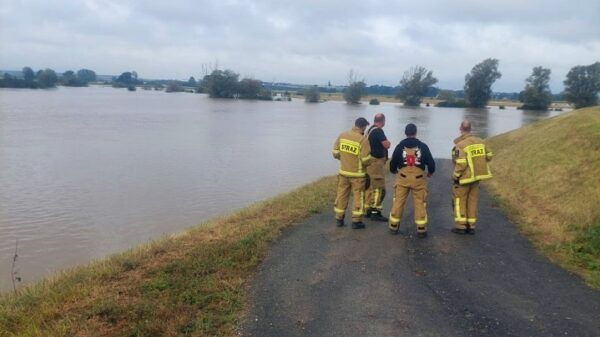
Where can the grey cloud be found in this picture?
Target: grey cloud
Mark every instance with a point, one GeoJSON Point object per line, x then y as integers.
{"type": "Point", "coordinates": [302, 41]}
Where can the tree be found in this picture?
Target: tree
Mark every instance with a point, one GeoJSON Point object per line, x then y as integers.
{"type": "Point", "coordinates": [478, 83]}
{"type": "Point", "coordinates": [249, 88]}
{"type": "Point", "coordinates": [47, 78]}
{"type": "Point", "coordinates": [312, 94]}
{"type": "Point", "coordinates": [28, 74]}
{"type": "Point", "coordinates": [192, 82]}
{"type": "Point", "coordinates": [355, 90]}
{"type": "Point", "coordinates": [414, 85]}
{"type": "Point", "coordinates": [69, 79]}
{"type": "Point", "coordinates": [537, 95]}
{"type": "Point", "coordinates": [583, 85]}
{"type": "Point", "coordinates": [222, 84]}
{"type": "Point", "coordinates": [174, 87]}
{"type": "Point", "coordinates": [86, 75]}
{"type": "Point", "coordinates": [125, 78]}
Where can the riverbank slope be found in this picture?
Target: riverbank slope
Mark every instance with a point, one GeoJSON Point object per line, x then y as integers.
{"type": "Point", "coordinates": [187, 284]}
{"type": "Point", "coordinates": [546, 178]}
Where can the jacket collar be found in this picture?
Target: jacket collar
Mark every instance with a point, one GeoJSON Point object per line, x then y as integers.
{"type": "Point", "coordinates": [357, 130]}
{"type": "Point", "coordinates": [462, 137]}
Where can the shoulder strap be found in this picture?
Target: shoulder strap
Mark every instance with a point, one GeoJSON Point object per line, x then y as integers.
{"type": "Point", "coordinates": [373, 127]}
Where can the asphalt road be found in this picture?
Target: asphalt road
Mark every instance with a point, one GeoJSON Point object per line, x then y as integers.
{"type": "Point", "coordinates": [320, 280]}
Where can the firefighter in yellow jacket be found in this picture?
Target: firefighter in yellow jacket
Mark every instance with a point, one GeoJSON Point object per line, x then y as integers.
{"type": "Point", "coordinates": [353, 151]}
{"type": "Point", "coordinates": [470, 157]}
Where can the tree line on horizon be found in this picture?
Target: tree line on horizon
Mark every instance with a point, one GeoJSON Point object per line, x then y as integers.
{"type": "Point", "coordinates": [582, 85]}
{"type": "Point", "coordinates": [47, 78]}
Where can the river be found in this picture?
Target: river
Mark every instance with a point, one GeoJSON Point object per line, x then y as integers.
{"type": "Point", "coordinates": [86, 172]}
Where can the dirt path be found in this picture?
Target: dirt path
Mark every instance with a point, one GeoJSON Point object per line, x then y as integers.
{"type": "Point", "coordinates": [320, 280]}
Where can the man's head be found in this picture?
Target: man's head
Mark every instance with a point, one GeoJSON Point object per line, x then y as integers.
{"type": "Point", "coordinates": [379, 120]}
{"type": "Point", "coordinates": [411, 130]}
{"type": "Point", "coordinates": [465, 126]}
{"type": "Point", "coordinates": [361, 123]}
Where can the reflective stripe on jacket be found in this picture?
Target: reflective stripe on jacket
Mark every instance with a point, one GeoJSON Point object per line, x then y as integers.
{"type": "Point", "coordinates": [353, 150]}
{"type": "Point", "coordinates": [470, 157]}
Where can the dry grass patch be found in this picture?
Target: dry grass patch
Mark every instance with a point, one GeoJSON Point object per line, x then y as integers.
{"type": "Point", "coordinates": [189, 284]}
{"type": "Point", "coordinates": [546, 175]}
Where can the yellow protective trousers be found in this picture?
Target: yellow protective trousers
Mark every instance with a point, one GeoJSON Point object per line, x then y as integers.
{"type": "Point", "coordinates": [345, 186]}
{"type": "Point", "coordinates": [376, 190]}
{"type": "Point", "coordinates": [410, 179]}
{"type": "Point", "coordinates": [464, 200]}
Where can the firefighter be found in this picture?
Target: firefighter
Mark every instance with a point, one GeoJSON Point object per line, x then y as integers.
{"type": "Point", "coordinates": [409, 160]}
{"type": "Point", "coordinates": [470, 157]}
{"type": "Point", "coordinates": [379, 151]}
{"type": "Point", "coordinates": [353, 151]}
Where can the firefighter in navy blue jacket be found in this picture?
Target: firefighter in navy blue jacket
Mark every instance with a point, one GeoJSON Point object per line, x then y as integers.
{"type": "Point", "coordinates": [409, 161]}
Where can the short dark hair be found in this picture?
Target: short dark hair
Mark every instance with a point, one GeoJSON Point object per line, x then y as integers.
{"type": "Point", "coordinates": [361, 122]}
{"type": "Point", "coordinates": [410, 130]}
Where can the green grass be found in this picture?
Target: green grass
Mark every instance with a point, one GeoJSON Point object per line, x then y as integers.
{"type": "Point", "coordinates": [585, 253]}
{"type": "Point", "coordinates": [547, 178]}
{"type": "Point", "coordinates": [189, 284]}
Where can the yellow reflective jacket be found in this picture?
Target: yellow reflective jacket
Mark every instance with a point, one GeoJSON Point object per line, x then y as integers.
{"type": "Point", "coordinates": [470, 157]}
{"type": "Point", "coordinates": [353, 150]}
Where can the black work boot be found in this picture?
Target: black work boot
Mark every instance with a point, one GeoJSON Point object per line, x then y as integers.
{"type": "Point", "coordinates": [339, 222]}
{"type": "Point", "coordinates": [394, 229]}
{"type": "Point", "coordinates": [459, 231]}
{"type": "Point", "coordinates": [470, 230]}
{"type": "Point", "coordinates": [358, 225]}
{"type": "Point", "coordinates": [376, 216]}
{"type": "Point", "coordinates": [368, 213]}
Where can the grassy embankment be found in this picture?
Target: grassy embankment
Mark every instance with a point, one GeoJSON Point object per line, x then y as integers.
{"type": "Point", "coordinates": [190, 284]}
{"type": "Point", "coordinates": [547, 177]}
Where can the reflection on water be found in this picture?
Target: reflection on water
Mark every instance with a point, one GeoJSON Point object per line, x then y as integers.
{"type": "Point", "coordinates": [85, 172]}
{"type": "Point", "coordinates": [480, 119]}
{"type": "Point", "coordinates": [529, 116]}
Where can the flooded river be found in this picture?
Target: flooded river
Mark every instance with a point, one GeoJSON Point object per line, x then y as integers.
{"type": "Point", "coordinates": [86, 172]}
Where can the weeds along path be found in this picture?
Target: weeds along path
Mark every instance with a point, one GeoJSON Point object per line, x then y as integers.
{"type": "Point", "coordinates": [320, 280]}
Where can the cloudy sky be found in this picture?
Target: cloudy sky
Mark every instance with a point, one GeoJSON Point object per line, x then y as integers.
{"type": "Point", "coordinates": [302, 41]}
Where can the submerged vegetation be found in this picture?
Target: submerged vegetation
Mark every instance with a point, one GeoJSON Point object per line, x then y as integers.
{"type": "Point", "coordinates": [478, 83]}
{"type": "Point", "coordinates": [546, 175]}
{"type": "Point", "coordinates": [415, 84]}
{"type": "Point", "coordinates": [187, 284]}
{"type": "Point", "coordinates": [537, 95]}
{"type": "Point", "coordinates": [312, 95]}
{"type": "Point", "coordinates": [356, 89]}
